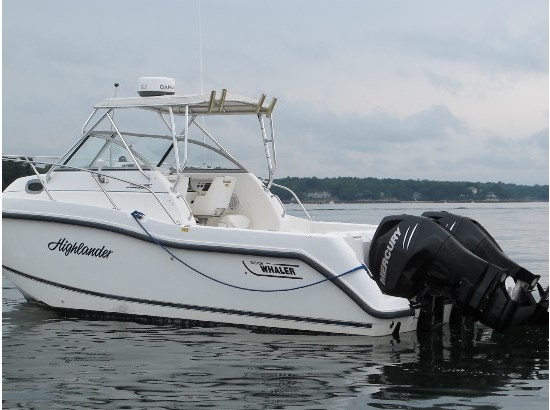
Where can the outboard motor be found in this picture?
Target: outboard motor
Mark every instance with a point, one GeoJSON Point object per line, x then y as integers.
{"type": "Point", "coordinates": [477, 240]}
{"type": "Point", "coordinates": [411, 255]}
{"type": "Point", "coordinates": [474, 237]}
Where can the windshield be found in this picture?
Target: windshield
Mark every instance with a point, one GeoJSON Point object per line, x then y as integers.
{"type": "Point", "coordinates": [144, 138]}
{"type": "Point", "coordinates": [109, 151]}
{"type": "Point", "coordinates": [99, 151]}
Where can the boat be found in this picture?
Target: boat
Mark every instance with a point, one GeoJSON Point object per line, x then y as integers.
{"type": "Point", "coordinates": [149, 215]}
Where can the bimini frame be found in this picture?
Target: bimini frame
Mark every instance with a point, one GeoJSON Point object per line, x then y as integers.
{"type": "Point", "coordinates": [190, 107]}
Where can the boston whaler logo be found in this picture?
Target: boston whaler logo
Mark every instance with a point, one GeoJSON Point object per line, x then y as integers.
{"type": "Point", "coordinates": [273, 270]}
{"type": "Point", "coordinates": [387, 255]}
{"type": "Point", "coordinates": [63, 245]}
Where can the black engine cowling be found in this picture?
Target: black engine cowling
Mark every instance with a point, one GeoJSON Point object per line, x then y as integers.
{"type": "Point", "coordinates": [412, 254]}
{"type": "Point", "coordinates": [477, 240]}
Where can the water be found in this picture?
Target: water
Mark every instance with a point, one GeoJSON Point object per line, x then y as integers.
{"type": "Point", "coordinates": [55, 361]}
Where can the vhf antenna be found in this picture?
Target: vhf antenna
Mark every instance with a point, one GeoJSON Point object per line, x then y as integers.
{"type": "Point", "coordinates": [202, 82]}
{"type": "Point", "coordinates": [111, 145]}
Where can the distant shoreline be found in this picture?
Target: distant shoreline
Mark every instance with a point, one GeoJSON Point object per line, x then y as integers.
{"type": "Point", "coordinates": [396, 201]}
{"type": "Point", "coordinates": [374, 190]}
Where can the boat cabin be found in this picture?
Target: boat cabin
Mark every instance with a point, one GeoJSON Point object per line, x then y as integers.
{"type": "Point", "coordinates": [158, 154]}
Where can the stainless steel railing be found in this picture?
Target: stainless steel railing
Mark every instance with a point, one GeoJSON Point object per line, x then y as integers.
{"type": "Point", "coordinates": [294, 196]}
{"type": "Point", "coordinates": [96, 175]}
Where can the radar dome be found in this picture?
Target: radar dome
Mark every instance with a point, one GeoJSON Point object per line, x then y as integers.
{"type": "Point", "coordinates": [155, 86]}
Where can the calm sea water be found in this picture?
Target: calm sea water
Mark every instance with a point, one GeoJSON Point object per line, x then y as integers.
{"type": "Point", "coordinates": [55, 361]}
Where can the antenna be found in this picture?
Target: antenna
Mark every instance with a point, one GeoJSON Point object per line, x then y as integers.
{"type": "Point", "coordinates": [202, 82]}
{"type": "Point", "coordinates": [111, 145]}
{"type": "Point", "coordinates": [200, 46]}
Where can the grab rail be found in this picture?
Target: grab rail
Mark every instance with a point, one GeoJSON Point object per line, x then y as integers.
{"type": "Point", "coordinates": [295, 197]}
{"type": "Point", "coordinates": [95, 176]}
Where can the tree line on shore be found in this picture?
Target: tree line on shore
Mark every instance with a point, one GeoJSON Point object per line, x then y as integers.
{"type": "Point", "coordinates": [352, 189]}
{"type": "Point", "coordinates": [13, 170]}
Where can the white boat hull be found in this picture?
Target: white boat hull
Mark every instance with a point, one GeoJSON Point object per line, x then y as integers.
{"type": "Point", "coordinates": [109, 264]}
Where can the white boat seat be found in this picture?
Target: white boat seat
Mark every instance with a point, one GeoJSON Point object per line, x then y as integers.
{"type": "Point", "coordinates": [235, 221]}
{"type": "Point", "coordinates": [215, 200]}
{"type": "Point", "coordinates": [182, 185]}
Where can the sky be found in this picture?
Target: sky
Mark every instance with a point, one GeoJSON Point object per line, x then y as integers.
{"type": "Point", "coordinates": [428, 89]}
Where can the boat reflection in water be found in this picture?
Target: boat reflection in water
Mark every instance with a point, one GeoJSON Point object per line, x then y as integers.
{"type": "Point", "coordinates": [52, 360]}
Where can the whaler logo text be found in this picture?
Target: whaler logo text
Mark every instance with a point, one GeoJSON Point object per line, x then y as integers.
{"type": "Point", "coordinates": [62, 245]}
{"type": "Point", "coordinates": [272, 270]}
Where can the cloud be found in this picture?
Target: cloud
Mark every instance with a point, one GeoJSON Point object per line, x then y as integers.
{"type": "Point", "coordinates": [443, 81]}
{"type": "Point", "coordinates": [373, 131]}
{"type": "Point", "coordinates": [517, 153]}
{"type": "Point", "coordinates": [402, 89]}
{"type": "Point", "coordinates": [522, 160]}
{"type": "Point", "coordinates": [492, 35]}
{"type": "Point", "coordinates": [429, 144]}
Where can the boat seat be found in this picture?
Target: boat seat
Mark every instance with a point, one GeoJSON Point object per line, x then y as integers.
{"type": "Point", "coordinates": [182, 185]}
{"type": "Point", "coordinates": [235, 221]}
{"type": "Point", "coordinates": [215, 200]}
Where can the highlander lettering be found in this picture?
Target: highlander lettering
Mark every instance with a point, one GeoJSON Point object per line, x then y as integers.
{"type": "Point", "coordinates": [62, 245]}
